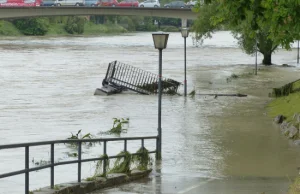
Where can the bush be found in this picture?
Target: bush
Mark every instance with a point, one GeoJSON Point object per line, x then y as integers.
{"type": "Point", "coordinates": [8, 29]}
{"type": "Point", "coordinates": [75, 25]}
{"type": "Point", "coordinates": [32, 26]}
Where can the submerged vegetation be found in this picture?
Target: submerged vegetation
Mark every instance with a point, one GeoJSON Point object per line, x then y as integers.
{"type": "Point", "coordinates": [78, 136]}
{"type": "Point", "coordinates": [125, 163]}
{"type": "Point", "coordinates": [234, 76]}
{"type": "Point", "coordinates": [118, 125]}
{"type": "Point", "coordinates": [286, 89]}
{"type": "Point", "coordinates": [168, 87]}
{"type": "Point", "coordinates": [192, 93]}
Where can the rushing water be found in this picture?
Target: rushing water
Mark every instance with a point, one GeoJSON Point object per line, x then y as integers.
{"type": "Point", "coordinates": [47, 87]}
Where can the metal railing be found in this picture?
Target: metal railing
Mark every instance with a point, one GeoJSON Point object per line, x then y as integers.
{"type": "Point", "coordinates": [78, 161]}
{"type": "Point", "coordinates": [126, 76]}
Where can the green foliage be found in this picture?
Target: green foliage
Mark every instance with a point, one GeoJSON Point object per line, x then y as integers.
{"type": "Point", "coordinates": [91, 178]}
{"type": "Point", "coordinates": [192, 93]}
{"type": "Point", "coordinates": [8, 29]}
{"type": "Point", "coordinates": [74, 154]}
{"type": "Point", "coordinates": [169, 29]}
{"type": "Point", "coordinates": [286, 89]}
{"type": "Point", "coordinates": [118, 125]}
{"type": "Point", "coordinates": [246, 19]}
{"type": "Point", "coordinates": [32, 26]}
{"type": "Point", "coordinates": [286, 105]}
{"type": "Point", "coordinates": [235, 76]}
{"type": "Point", "coordinates": [75, 25]}
{"type": "Point", "coordinates": [143, 160]}
{"type": "Point", "coordinates": [284, 20]}
{"type": "Point", "coordinates": [41, 162]}
{"type": "Point", "coordinates": [56, 29]}
{"type": "Point", "coordinates": [91, 28]}
{"type": "Point", "coordinates": [122, 165]}
{"type": "Point", "coordinates": [127, 23]}
{"type": "Point", "coordinates": [99, 166]}
{"type": "Point", "coordinates": [78, 136]}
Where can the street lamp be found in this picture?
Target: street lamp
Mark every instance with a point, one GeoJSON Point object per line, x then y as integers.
{"type": "Point", "coordinates": [256, 48]}
{"type": "Point", "coordinates": [160, 40]}
{"type": "Point", "coordinates": [298, 53]}
{"type": "Point", "coordinates": [185, 34]}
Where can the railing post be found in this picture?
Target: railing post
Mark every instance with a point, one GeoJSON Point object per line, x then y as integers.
{"type": "Point", "coordinates": [104, 161]}
{"type": "Point", "coordinates": [157, 152]}
{"type": "Point", "coordinates": [79, 162]}
{"type": "Point", "coordinates": [143, 144]}
{"type": "Point", "coordinates": [52, 166]}
{"type": "Point", "coordinates": [125, 145]}
{"type": "Point", "coordinates": [27, 170]}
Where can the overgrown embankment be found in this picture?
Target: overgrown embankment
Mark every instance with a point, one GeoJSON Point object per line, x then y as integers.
{"type": "Point", "coordinates": [85, 25]}
{"type": "Point", "coordinates": [286, 108]}
{"type": "Point", "coordinates": [57, 26]}
{"type": "Point", "coordinates": [295, 187]}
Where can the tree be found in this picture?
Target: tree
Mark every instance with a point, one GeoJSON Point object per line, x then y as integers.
{"type": "Point", "coordinates": [284, 20]}
{"type": "Point", "coordinates": [75, 25]}
{"type": "Point", "coordinates": [245, 18]}
{"type": "Point", "coordinates": [32, 26]}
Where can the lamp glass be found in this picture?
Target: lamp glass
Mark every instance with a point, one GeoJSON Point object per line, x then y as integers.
{"type": "Point", "coordinates": [185, 32]}
{"type": "Point", "coordinates": [160, 40]}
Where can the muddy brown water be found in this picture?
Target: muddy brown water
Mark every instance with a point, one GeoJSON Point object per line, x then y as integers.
{"type": "Point", "coordinates": [47, 87]}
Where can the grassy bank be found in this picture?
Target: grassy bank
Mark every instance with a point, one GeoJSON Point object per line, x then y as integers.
{"type": "Point", "coordinates": [8, 29]}
{"type": "Point", "coordinates": [94, 29]}
{"type": "Point", "coordinates": [295, 187]}
{"type": "Point", "coordinates": [286, 106]}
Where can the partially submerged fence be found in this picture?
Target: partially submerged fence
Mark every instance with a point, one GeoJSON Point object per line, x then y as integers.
{"type": "Point", "coordinates": [287, 89]}
{"type": "Point", "coordinates": [125, 76]}
{"type": "Point", "coordinates": [79, 142]}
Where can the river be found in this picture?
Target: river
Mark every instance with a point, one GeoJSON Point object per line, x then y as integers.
{"type": "Point", "coordinates": [227, 143]}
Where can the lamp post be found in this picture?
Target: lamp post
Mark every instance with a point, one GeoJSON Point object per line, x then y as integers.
{"type": "Point", "coordinates": [298, 53]}
{"type": "Point", "coordinates": [185, 34]}
{"type": "Point", "coordinates": [160, 40]}
{"type": "Point", "coordinates": [256, 48]}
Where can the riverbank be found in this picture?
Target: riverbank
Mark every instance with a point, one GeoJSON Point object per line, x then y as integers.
{"type": "Point", "coordinates": [8, 29]}
{"type": "Point", "coordinates": [62, 27]}
{"type": "Point", "coordinates": [285, 109]}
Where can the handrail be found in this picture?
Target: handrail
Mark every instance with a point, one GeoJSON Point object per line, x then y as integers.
{"type": "Point", "coordinates": [8, 146]}
{"type": "Point", "coordinates": [78, 161]}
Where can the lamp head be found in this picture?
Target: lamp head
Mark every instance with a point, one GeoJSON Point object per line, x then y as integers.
{"type": "Point", "coordinates": [160, 40]}
{"type": "Point", "coordinates": [184, 32]}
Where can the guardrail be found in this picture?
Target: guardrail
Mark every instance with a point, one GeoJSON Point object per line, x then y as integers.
{"type": "Point", "coordinates": [79, 160]}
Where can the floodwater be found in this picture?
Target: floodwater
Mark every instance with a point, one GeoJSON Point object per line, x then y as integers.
{"type": "Point", "coordinates": [47, 87]}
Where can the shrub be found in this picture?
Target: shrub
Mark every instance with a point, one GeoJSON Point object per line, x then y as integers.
{"type": "Point", "coordinates": [75, 25]}
{"type": "Point", "coordinates": [32, 26]}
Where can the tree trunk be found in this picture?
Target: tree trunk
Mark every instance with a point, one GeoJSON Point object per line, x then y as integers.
{"type": "Point", "coordinates": [267, 59]}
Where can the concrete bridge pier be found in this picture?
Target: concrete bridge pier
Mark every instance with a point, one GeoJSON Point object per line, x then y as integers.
{"type": "Point", "coordinates": [183, 22]}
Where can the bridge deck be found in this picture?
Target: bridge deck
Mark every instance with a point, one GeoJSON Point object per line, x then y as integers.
{"type": "Point", "coordinates": [17, 12]}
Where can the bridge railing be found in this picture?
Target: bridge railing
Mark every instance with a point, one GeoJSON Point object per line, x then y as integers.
{"type": "Point", "coordinates": [79, 160]}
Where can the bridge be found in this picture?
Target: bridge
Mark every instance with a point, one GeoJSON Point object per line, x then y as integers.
{"type": "Point", "coordinates": [21, 12]}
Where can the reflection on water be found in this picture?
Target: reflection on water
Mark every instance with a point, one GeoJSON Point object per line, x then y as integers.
{"type": "Point", "coordinates": [47, 87]}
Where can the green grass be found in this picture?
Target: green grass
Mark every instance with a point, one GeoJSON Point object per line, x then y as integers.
{"type": "Point", "coordinates": [287, 106]}
{"type": "Point", "coordinates": [169, 29]}
{"type": "Point", "coordinates": [96, 29]}
{"type": "Point", "coordinates": [296, 85]}
{"type": "Point", "coordinates": [295, 187]}
{"type": "Point", "coordinates": [56, 29]}
{"type": "Point", "coordinates": [8, 29]}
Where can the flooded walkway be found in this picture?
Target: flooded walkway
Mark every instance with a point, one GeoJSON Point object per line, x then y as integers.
{"type": "Point", "coordinates": [226, 143]}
